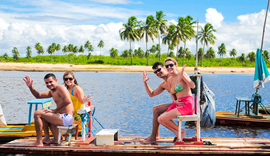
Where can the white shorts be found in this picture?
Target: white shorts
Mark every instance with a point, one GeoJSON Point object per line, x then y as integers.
{"type": "Point", "coordinates": [67, 119]}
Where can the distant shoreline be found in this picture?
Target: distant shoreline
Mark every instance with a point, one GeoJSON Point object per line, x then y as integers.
{"type": "Point", "coordinates": [42, 67]}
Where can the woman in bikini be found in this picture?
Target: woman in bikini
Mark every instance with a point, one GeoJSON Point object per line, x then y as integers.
{"type": "Point", "coordinates": [183, 103]}
{"type": "Point", "coordinates": [76, 93]}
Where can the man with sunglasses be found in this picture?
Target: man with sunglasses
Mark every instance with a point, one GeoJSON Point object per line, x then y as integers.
{"type": "Point", "coordinates": [161, 72]}
{"type": "Point", "coordinates": [61, 116]}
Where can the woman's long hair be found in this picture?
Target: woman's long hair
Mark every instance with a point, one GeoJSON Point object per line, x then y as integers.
{"type": "Point", "coordinates": [71, 73]}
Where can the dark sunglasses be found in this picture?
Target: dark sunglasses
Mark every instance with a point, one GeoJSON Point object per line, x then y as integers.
{"type": "Point", "coordinates": [169, 65]}
{"type": "Point", "coordinates": [155, 72]}
{"type": "Point", "coordinates": [68, 78]}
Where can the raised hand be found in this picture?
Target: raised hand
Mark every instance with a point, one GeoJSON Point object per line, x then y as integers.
{"type": "Point", "coordinates": [28, 81]}
{"type": "Point", "coordinates": [183, 69]}
{"type": "Point", "coordinates": [144, 77]}
{"type": "Point", "coordinates": [87, 98]}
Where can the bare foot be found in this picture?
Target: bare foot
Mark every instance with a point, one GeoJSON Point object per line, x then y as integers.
{"type": "Point", "coordinates": [183, 131]}
{"type": "Point", "coordinates": [149, 141]}
{"type": "Point", "coordinates": [157, 138]}
{"type": "Point", "coordinates": [54, 141]}
{"type": "Point", "coordinates": [46, 140]}
{"type": "Point", "coordinates": [37, 144]}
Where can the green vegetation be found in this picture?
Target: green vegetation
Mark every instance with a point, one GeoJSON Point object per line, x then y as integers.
{"type": "Point", "coordinates": [171, 35]}
{"type": "Point", "coordinates": [71, 58]}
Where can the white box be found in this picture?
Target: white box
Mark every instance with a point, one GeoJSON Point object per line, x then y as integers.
{"type": "Point", "coordinates": [106, 137]}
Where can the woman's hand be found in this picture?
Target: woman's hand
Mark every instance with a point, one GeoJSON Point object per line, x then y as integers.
{"type": "Point", "coordinates": [179, 103]}
{"type": "Point", "coordinates": [182, 71]}
{"type": "Point", "coordinates": [87, 98]}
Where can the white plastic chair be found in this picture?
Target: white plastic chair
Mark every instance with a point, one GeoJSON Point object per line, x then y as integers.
{"type": "Point", "coordinates": [196, 116]}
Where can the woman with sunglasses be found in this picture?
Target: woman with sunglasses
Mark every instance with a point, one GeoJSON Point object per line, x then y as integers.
{"type": "Point", "coordinates": [76, 93]}
{"type": "Point", "coordinates": [183, 103]}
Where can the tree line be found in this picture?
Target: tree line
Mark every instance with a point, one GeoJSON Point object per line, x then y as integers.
{"type": "Point", "coordinates": [157, 27]}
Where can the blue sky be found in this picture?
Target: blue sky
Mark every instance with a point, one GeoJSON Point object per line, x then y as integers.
{"type": "Point", "coordinates": [26, 22]}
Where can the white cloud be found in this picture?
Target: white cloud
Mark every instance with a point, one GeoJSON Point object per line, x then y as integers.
{"type": "Point", "coordinates": [214, 17]}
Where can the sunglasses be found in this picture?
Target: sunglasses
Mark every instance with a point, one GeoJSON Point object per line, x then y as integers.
{"type": "Point", "coordinates": [169, 65]}
{"type": "Point", "coordinates": [155, 72]}
{"type": "Point", "coordinates": [68, 78]}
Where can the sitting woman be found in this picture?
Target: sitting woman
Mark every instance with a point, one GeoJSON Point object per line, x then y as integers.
{"type": "Point", "coordinates": [183, 103]}
{"type": "Point", "coordinates": [76, 93]}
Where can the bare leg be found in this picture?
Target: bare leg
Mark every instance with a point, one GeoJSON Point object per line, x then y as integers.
{"type": "Point", "coordinates": [55, 134]}
{"type": "Point", "coordinates": [46, 126]}
{"type": "Point", "coordinates": [157, 111]}
{"type": "Point", "coordinates": [52, 118]}
{"type": "Point", "coordinates": [166, 120]}
{"type": "Point", "coordinates": [38, 126]}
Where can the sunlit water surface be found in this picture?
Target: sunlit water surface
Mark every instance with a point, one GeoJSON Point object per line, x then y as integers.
{"type": "Point", "coordinates": [122, 103]}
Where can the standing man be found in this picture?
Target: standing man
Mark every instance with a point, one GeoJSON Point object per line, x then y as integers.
{"type": "Point", "coordinates": [61, 116]}
{"type": "Point", "coordinates": [161, 72]}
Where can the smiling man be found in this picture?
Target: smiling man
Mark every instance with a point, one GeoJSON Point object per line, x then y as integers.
{"type": "Point", "coordinates": [61, 116]}
{"type": "Point", "coordinates": [161, 72]}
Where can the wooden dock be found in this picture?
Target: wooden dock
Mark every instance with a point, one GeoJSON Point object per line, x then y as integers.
{"type": "Point", "coordinates": [132, 146]}
{"type": "Point", "coordinates": [230, 119]}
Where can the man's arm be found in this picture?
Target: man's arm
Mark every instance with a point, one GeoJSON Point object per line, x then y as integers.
{"type": "Point", "coordinates": [151, 92]}
{"type": "Point", "coordinates": [37, 94]}
{"type": "Point", "coordinates": [64, 94]}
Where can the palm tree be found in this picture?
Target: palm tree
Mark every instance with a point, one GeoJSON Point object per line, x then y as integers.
{"type": "Point", "coordinates": [5, 56]}
{"type": "Point", "coordinates": [58, 48]}
{"type": "Point", "coordinates": [186, 51]}
{"type": "Point", "coordinates": [242, 58]}
{"type": "Point", "coordinates": [266, 55]}
{"type": "Point", "coordinates": [200, 53]}
{"type": "Point", "coordinates": [158, 50]}
{"type": "Point", "coordinates": [51, 49]}
{"type": "Point", "coordinates": [125, 54]}
{"type": "Point", "coordinates": [39, 49]}
{"type": "Point", "coordinates": [153, 49]}
{"type": "Point", "coordinates": [16, 53]}
{"type": "Point", "coordinates": [28, 52]}
{"type": "Point", "coordinates": [188, 55]}
{"type": "Point", "coordinates": [139, 52]}
{"type": "Point", "coordinates": [89, 46]}
{"type": "Point", "coordinates": [184, 31]}
{"type": "Point", "coordinates": [129, 32]}
{"type": "Point", "coordinates": [100, 45]}
{"type": "Point", "coordinates": [147, 29]}
{"type": "Point", "coordinates": [167, 39]}
{"type": "Point", "coordinates": [221, 51]}
{"type": "Point", "coordinates": [251, 56]}
{"type": "Point", "coordinates": [113, 53]}
{"type": "Point", "coordinates": [233, 53]}
{"type": "Point", "coordinates": [160, 24]}
{"type": "Point", "coordinates": [210, 53]}
{"type": "Point", "coordinates": [171, 54]}
{"type": "Point", "coordinates": [75, 51]}
{"type": "Point", "coordinates": [181, 52]}
{"type": "Point", "coordinates": [65, 50]}
{"type": "Point", "coordinates": [206, 36]}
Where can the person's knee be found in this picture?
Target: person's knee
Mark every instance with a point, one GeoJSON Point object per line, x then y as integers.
{"type": "Point", "coordinates": [37, 113]}
{"type": "Point", "coordinates": [160, 120]}
{"type": "Point", "coordinates": [156, 110]}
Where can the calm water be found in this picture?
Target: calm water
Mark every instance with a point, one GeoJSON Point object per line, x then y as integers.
{"type": "Point", "coordinates": [122, 103]}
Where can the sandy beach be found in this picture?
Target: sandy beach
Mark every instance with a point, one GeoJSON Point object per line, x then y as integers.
{"type": "Point", "coordinates": [39, 67]}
